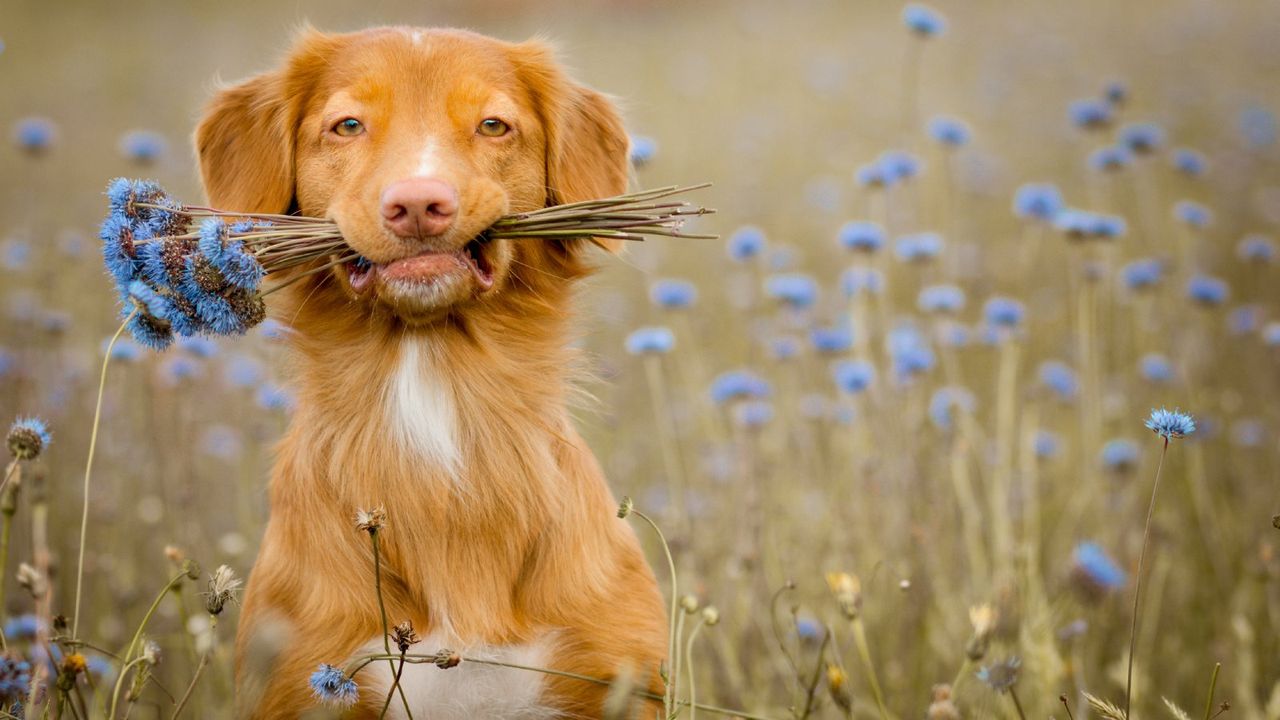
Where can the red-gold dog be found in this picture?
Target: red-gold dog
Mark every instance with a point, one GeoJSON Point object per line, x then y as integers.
{"type": "Point", "coordinates": [433, 377]}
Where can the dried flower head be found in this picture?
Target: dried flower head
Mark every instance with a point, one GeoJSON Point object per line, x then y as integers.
{"type": "Point", "coordinates": [332, 686]}
{"type": "Point", "coordinates": [223, 586]}
{"type": "Point", "coordinates": [32, 580]}
{"type": "Point", "coordinates": [151, 652]}
{"type": "Point", "coordinates": [371, 521]}
{"type": "Point", "coordinates": [403, 635]}
{"type": "Point", "coordinates": [710, 615]}
{"type": "Point", "coordinates": [942, 707]}
{"type": "Point", "coordinates": [984, 618]}
{"type": "Point", "coordinates": [626, 506]}
{"type": "Point", "coordinates": [1002, 675]}
{"type": "Point", "coordinates": [838, 686]}
{"type": "Point", "coordinates": [28, 437]}
{"type": "Point", "coordinates": [445, 659]}
{"type": "Point", "coordinates": [848, 592]}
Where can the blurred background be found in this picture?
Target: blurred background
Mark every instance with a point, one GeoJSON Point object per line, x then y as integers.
{"type": "Point", "coordinates": [1062, 216]}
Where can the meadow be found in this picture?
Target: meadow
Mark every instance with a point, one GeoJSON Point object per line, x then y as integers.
{"type": "Point", "coordinates": [891, 423]}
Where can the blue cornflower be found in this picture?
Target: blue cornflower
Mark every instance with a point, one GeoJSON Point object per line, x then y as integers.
{"type": "Point", "coordinates": [1244, 320]}
{"type": "Point", "coordinates": [228, 255]}
{"type": "Point", "coordinates": [1046, 444]}
{"type": "Point", "coordinates": [738, 385]}
{"type": "Point", "coordinates": [784, 347]}
{"type": "Point", "coordinates": [15, 679]}
{"type": "Point", "coordinates": [858, 279]}
{"type": "Point", "coordinates": [1156, 368]}
{"type": "Point", "coordinates": [177, 369]}
{"type": "Point", "coordinates": [28, 437]}
{"type": "Point", "coordinates": [1089, 113]}
{"type": "Point", "coordinates": [123, 197]}
{"type": "Point", "coordinates": [1170, 423]}
{"type": "Point", "coordinates": [1257, 126]}
{"type": "Point", "coordinates": [8, 361]}
{"type": "Point", "coordinates": [945, 401]}
{"type": "Point", "coordinates": [1190, 162]}
{"type": "Point", "coordinates": [853, 376]}
{"type": "Point", "coordinates": [143, 146]}
{"type": "Point", "coordinates": [898, 165]}
{"type": "Point", "coordinates": [274, 397]}
{"type": "Point", "coordinates": [1142, 138]}
{"type": "Point", "coordinates": [1003, 312]}
{"type": "Point", "coordinates": [871, 175]}
{"type": "Point", "coordinates": [648, 340]}
{"type": "Point", "coordinates": [861, 235]}
{"type": "Point", "coordinates": [242, 371]}
{"type": "Point", "coordinates": [1256, 249]}
{"type": "Point", "coordinates": [147, 300]}
{"type": "Point", "coordinates": [941, 299]}
{"type": "Point", "coordinates": [125, 350]}
{"type": "Point", "coordinates": [1207, 290]}
{"type": "Point", "coordinates": [835, 339]}
{"type": "Point", "coordinates": [643, 150]}
{"type": "Point", "coordinates": [22, 627]}
{"type": "Point", "coordinates": [1094, 565]}
{"type": "Point", "coordinates": [1109, 227]}
{"type": "Point", "coordinates": [921, 247]}
{"type": "Point", "coordinates": [1193, 213]}
{"type": "Point", "coordinates": [15, 254]}
{"type": "Point", "coordinates": [753, 413]}
{"type": "Point", "coordinates": [1142, 273]}
{"type": "Point", "coordinates": [923, 20]}
{"type": "Point", "coordinates": [809, 629]}
{"type": "Point", "coordinates": [206, 291]}
{"type": "Point", "coordinates": [949, 131]}
{"type": "Point", "coordinates": [35, 135]}
{"type": "Point", "coordinates": [745, 243]}
{"type": "Point", "coordinates": [1271, 334]}
{"type": "Point", "coordinates": [794, 289]}
{"type": "Point", "coordinates": [119, 250]}
{"type": "Point", "coordinates": [1111, 158]}
{"type": "Point", "coordinates": [1001, 676]}
{"type": "Point", "coordinates": [331, 685]}
{"type": "Point", "coordinates": [201, 347]}
{"type": "Point", "coordinates": [1120, 454]}
{"type": "Point", "coordinates": [1060, 379]}
{"type": "Point", "coordinates": [1038, 201]}
{"type": "Point", "coordinates": [673, 294]}
{"type": "Point", "coordinates": [99, 667]}
{"type": "Point", "coordinates": [910, 353]}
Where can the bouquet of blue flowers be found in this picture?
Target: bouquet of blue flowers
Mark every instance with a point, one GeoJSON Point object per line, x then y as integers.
{"type": "Point", "coordinates": [191, 270]}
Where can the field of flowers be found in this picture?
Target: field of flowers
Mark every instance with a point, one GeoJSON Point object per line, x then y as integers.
{"type": "Point", "coordinates": [896, 424]}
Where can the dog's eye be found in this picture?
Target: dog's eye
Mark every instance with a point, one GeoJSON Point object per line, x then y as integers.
{"type": "Point", "coordinates": [493, 127]}
{"type": "Point", "coordinates": [349, 127]}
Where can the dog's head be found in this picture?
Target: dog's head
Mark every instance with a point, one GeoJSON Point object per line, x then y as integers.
{"type": "Point", "coordinates": [414, 141]}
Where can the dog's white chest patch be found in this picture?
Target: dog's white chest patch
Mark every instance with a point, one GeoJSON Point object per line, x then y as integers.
{"type": "Point", "coordinates": [421, 407]}
{"type": "Point", "coordinates": [470, 690]}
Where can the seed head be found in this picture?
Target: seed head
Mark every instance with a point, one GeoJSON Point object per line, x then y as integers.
{"type": "Point", "coordinates": [403, 635]}
{"type": "Point", "coordinates": [32, 580]}
{"type": "Point", "coordinates": [151, 652]}
{"type": "Point", "coordinates": [627, 505]}
{"type": "Point", "coordinates": [445, 659]}
{"type": "Point", "coordinates": [848, 591]}
{"type": "Point", "coordinates": [371, 521]}
{"type": "Point", "coordinates": [28, 437]}
{"type": "Point", "coordinates": [710, 615]}
{"type": "Point", "coordinates": [223, 586]}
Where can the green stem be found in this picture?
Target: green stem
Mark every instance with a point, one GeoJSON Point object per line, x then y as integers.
{"type": "Point", "coordinates": [688, 661]}
{"type": "Point", "coordinates": [1017, 704]}
{"type": "Point", "coordinates": [1137, 589]}
{"type": "Point", "coordinates": [1213, 685]}
{"type": "Point", "coordinates": [864, 653]}
{"type": "Point", "coordinates": [670, 694]}
{"type": "Point", "coordinates": [395, 685]}
{"type": "Point", "coordinates": [137, 635]}
{"type": "Point", "coordinates": [115, 693]}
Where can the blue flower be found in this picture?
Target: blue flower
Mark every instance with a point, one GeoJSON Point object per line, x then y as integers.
{"type": "Point", "coordinates": [124, 197]}
{"type": "Point", "coordinates": [274, 397]}
{"type": "Point", "coordinates": [1120, 454]}
{"type": "Point", "coordinates": [809, 629]}
{"type": "Point", "coordinates": [1257, 249]}
{"type": "Point", "coordinates": [857, 280]}
{"type": "Point", "coordinates": [1039, 201]}
{"type": "Point", "coordinates": [1170, 423]}
{"type": "Point", "coordinates": [1060, 379]}
{"type": "Point", "coordinates": [745, 243]}
{"type": "Point", "coordinates": [921, 247]}
{"type": "Point", "coordinates": [1248, 433]}
{"type": "Point", "coordinates": [1189, 162]}
{"type": "Point", "coordinates": [1257, 126]}
{"type": "Point", "coordinates": [784, 347]}
{"type": "Point", "coordinates": [954, 334]}
{"type": "Point", "coordinates": [898, 165]}
{"type": "Point", "coordinates": [22, 627]}
{"type": "Point", "coordinates": [923, 20]}
{"type": "Point", "coordinates": [1156, 368]}
{"type": "Point", "coordinates": [1111, 158]}
{"type": "Point", "coordinates": [242, 371]}
{"type": "Point", "coordinates": [228, 255]}
{"type": "Point", "coordinates": [143, 146]}
{"type": "Point", "coordinates": [177, 369]}
{"type": "Point", "coordinates": [331, 685]}
{"type": "Point", "coordinates": [943, 404]}
{"type": "Point", "coordinates": [1046, 444]}
{"type": "Point", "coordinates": [753, 413]}
{"type": "Point", "coordinates": [1271, 334]}
{"type": "Point", "coordinates": [147, 300]}
{"type": "Point", "coordinates": [648, 340]}
{"type": "Point", "coordinates": [1142, 138]}
{"type": "Point", "coordinates": [1003, 312]}
{"type": "Point", "coordinates": [871, 175]}
{"type": "Point", "coordinates": [738, 385]}
{"type": "Point", "coordinates": [1001, 676]}
{"type": "Point", "coordinates": [15, 254]}
{"type": "Point", "coordinates": [836, 339]}
{"type": "Point", "coordinates": [1096, 566]}
{"type": "Point", "coordinates": [119, 251]}
{"type": "Point", "coordinates": [853, 376]}
{"type": "Point", "coordinates": [28, 437]}
{"type": "Point", "coordinates": [910, 353]}
{"type": "Point", "coordinates": [794, 289]}
{"type": "Point", "coordinates": [1089, 113]}
{"type": "Point", "coordinates": [1244, 319]}
{"type": "Point", "coordinates": [673, 294]}
{"type": "Point", "coordinates": [15, 679]}
{"type": "Point", "coordinates": [949, 131]}
{"type": "Point", "coordinates": [643, 149]}
{"type": "Point", "coordinates": [1142, 273]}
{"type": "Point", "coordinates": [34, 134]}
{"type": "Point", "coordinates": [861, 235]}
{"type": "Point", "coordinates": [125, 350]}
{"type": "Point", "coordinates": [1193, 213]}
{"type": "Point", "coordinates": [940, 299]}
{"type": "Point", "coordinates": [1207, 290]}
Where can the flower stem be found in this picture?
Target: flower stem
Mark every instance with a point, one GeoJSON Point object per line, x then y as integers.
{"type": "Point", "coordinates": [382, 608]}
{"type": "Point", "coordinates": [1137, 589]}
{"type": "Point", "coordinates": [1016, 704]}
{"type": "Point", "coordinates": [864, 653]}
{"type": "Point", "coordinates": [668, 698]}
{"type": "Point", "coordinates": [204, 662]}
{"type": "Point", "coordinates": [688, 661]}
{"type": "Point", "coordinates": [1213, 685]}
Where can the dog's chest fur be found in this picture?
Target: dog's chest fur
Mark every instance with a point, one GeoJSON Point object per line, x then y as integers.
{"type": "Point", "coordinates": [421, 407]}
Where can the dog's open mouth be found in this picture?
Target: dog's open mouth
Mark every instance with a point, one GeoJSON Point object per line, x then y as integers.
{"type": "Point", "coordinates": [425, 267]}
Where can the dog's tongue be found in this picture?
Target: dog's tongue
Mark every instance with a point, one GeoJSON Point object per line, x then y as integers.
{"type": "Point", "coordinates": [422, 267]}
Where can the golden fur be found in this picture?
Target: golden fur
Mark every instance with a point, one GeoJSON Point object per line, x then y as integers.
{"type": "Point", "coordinates": [523, 539]}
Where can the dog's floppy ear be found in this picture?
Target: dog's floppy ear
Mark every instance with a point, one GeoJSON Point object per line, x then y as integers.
{"type": "Point", "coordinates": [586, 145]}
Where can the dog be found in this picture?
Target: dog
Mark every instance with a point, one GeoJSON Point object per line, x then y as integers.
{"type": "Point", "coordinates": [433, 376]}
